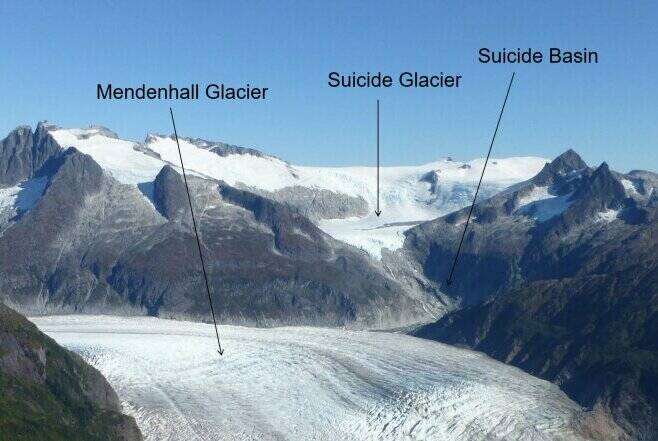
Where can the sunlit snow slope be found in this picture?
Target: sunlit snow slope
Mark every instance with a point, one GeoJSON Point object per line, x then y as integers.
{"type": "Point", "coordinates": [408, 195]}
{"type": "Point", "coordinates": [309, 383]}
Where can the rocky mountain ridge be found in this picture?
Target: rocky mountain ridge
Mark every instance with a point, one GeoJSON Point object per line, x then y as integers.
{"type": "Point", "coordinates": [559, 276]}
{"type": "Point", "coordinates": [534, 229]}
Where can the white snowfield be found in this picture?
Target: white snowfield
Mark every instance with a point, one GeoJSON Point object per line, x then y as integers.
{"type": "Point", "coordinates": [24, 195]}
{"type": "Point", "coordinates": [19, 199]}
{"type": "Point", "coordinates": [540, 204]}
{"type": "Point", "coordinates": [407, 194]}
{"type": "Point", "coordinates": [310, 384]}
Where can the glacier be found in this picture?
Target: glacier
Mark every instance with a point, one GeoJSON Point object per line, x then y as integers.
{"type": "Point", "coordinates": [297, 383]}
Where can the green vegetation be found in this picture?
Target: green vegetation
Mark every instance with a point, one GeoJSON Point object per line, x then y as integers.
{"type": "Point", "coordinates": [48, 393]}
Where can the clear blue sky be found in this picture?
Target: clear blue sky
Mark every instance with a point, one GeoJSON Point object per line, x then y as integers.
{"type": "Point", "coordinates": [54, 54]}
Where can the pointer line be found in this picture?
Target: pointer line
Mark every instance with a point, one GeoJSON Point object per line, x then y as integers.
{"type": "Point", "coordinates": [196, 233]}
{"type": "Point", "coordinates": [378, 211]}
{"type": "Point", "coordinates": [486, 161]}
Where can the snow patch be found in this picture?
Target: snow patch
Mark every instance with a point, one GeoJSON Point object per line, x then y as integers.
{"type": "Point", "coordinates": [541, 205]}
{"type": "Point", "coordinates": [23, 196]}
{"type": "Point", "coordinates": [117, 156]}
{"type": "Point", "coordinates": [607, 215]}
{"type": "Point", "coordinates": [630, 188]}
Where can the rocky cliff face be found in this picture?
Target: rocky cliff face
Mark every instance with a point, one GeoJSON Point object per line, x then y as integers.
{"type": "Point", "coordinates": [49, 393]}
{"type": "Point", "coordinates": [23, 153]}
{"type": "Point", "coordinates": [316, 204]}
{"type": "Point", "coordinates": [559, 276]}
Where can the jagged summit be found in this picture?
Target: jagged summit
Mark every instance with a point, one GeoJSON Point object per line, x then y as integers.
{"type": "Point", "coordinates": [568, 161]}
{"type": "Point", "coordinates": [567, 191]}
{"type": "Point", "coordinates": [22, 129]}
{"type": "Point", "coordinates": [23, 153]}
{"type": "Point", "coordinates": [46, 125]}
{"type": "Point", "coordinates": [604, 183]}
{"type": "Point", "coordinates": [567, 164]}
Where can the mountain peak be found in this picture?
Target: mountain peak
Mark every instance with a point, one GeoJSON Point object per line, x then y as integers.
{"type": "Point", "coordinates": [568, 162]}
{"type": "Point", "coordinates": [22, 154]}
{"type": "Point", "coordinates": [45, 125]}
{"type": "Point", "coordinates": [22, 130]}
{"type": "Point", "coordinates": [604, 181]}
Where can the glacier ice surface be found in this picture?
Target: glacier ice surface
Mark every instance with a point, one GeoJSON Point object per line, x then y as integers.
{"type": "Point", "coordinates": [297, 383]}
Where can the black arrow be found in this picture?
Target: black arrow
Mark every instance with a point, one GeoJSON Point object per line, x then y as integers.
{"type": "Point", "coordinates": [196, 233]}
{"type": "Point", "coordinates": [377, 210]}
{"type": "Point", "coordinates": [486, 161]}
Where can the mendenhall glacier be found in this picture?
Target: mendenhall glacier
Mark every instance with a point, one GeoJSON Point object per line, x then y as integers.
{"type": "Point", "coordinates": [296, 383]}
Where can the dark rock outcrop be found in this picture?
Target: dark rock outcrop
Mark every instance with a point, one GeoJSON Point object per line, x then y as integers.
{"type": "Point", "coordinates": [315, 203]}
{"type": "Point", "coordinates": [169, 196]}
{"type": "Point", "coordinates": [23, 153]}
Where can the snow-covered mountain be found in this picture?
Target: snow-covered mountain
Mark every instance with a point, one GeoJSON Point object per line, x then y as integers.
{"type": "Point", "coordinates": [109, 231]}
{"type": "Point", "coordinates": [91, 222]}
{"type": "Point", "coordinates": [341, 200]}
